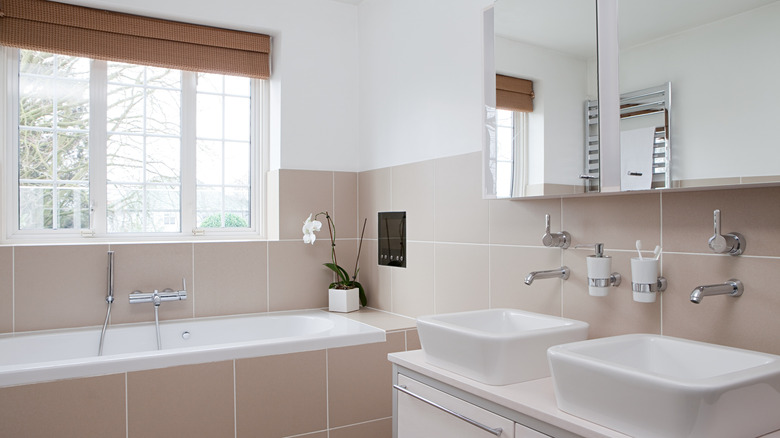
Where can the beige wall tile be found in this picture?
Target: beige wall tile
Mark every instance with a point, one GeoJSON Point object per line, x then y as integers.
{"type": "Point", "coordinates": [617, 221]}
{"type": "Point", "coordinates": [374, 278]}
{"type": "Point", "coordinates": [374, 195]}
{"type": "Point", "coordinates": [345, 195]}
{"type": "Point", "coordinates": [60, 286]}
{"type": "Point", "coordinates": [93, 407]}
{"type": "Point", "coordinates": [508, 267]}
{"type": "Point", "coordinates": [688, 219]}
{"type": "Point", "coordinates": [749, 321]}
{"type": "Point", "coordinates": [461, 277]}
{"type": "Point", "coordinates": [461, 213]}
{"type": "Point", "coordinates": [413, 192]}
{"type": "Point", "coordinates": [6, 289]}
{"type": "Point", "coordinates": [522, 222]}
{"type": "Point", "coordinates": [297, 279]}
{"type": "Point", "coordinates": [413, 285]}
{"type": "Point", "coordinates": [230, 278]}
{"type": "Point", "coordinates": [301, 193]}
{"type": "Point", "coordinates": [360, 381]}
{"type": "Point", "coordinates": [146, 267]}
{"type": "Point", "coordinates": [614, 314]}
{"type": "Point", "coordinates": [412, 340]}
{"type": "Point", "coordinates": [186, 401]}
{"type": "Point", "coordinates": [281, 395]}
{"type": "Point", "coordinates": [374, 429]}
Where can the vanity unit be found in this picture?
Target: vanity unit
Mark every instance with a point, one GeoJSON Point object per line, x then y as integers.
{"type": "Point", "coordinates": [521, 410]}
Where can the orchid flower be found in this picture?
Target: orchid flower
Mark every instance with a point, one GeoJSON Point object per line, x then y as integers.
{"type": "Point", "coordinates": [309, 227]}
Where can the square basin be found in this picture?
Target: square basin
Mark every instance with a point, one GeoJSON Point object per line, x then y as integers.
{"type": "Point", "coordinates": [658, 386]}
{"type": "Point", "coordinates": [495, 346]}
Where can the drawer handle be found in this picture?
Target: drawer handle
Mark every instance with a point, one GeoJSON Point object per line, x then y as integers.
{"type": "Point", "coordinates": [495, 431]}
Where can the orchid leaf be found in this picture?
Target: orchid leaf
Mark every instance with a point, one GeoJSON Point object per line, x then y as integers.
{"type": "Point", "coordinates": [342, 274]}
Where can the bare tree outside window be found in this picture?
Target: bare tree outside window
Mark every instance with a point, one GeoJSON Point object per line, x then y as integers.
{"type": "Point", "coordinates": [143, 146]}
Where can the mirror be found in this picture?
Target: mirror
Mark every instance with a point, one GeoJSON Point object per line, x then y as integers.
{"type": "Point", "coordinates": [719, 59]}
{"type": "Point", "coordinates": [722, 59]}
{"type": "Point", "coordinates": [552, 44]}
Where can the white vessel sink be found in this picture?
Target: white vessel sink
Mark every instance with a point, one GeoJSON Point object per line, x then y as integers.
{"type": "Point", "coordinates": [496, 346]}
{"type": "Point", "coordinates": [659, 386]}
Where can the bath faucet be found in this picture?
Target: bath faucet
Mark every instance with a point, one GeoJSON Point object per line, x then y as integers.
{"type": "Point", "coordinates": [562, 272]}
{"type": "Point", "coordinates": [732, 288]}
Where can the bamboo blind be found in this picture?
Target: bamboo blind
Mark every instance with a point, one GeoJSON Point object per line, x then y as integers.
{"type": "Point", "coordinates": [112, 36]}
{"type": "Point", "coordinates": [514, 94]}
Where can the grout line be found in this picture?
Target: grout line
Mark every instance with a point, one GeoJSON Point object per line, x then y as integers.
{"type": "Point", "coordinates": [13, 289]}
{"type": "Point", "coordinates": [267, 277]}
{"type": "Point", "coordinates": [127, 412]}
{"type": "Point", "coordinates": [327, 394]}
{"type": "Point", "coordinates": [193, 279]}
{"type": "Point", "coordinates": [235, 403]}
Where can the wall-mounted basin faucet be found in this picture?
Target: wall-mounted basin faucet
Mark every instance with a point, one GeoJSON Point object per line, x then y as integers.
{"type": "Point", "coordinates": [562, 273]}
{"type": "Point", "coordinates": [732, 288]}
{"type": "Point", "coordinates": [555, 240]}
{"type": "Point", "coordinates": [731, 243]}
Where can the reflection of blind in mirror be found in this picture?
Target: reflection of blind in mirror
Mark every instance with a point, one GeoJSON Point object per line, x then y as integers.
{"type": "Point", "coordinates": [511, 128]}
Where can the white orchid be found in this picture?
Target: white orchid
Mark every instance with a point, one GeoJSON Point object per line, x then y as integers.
{"type": "Point", "coordinates": [309, 227]}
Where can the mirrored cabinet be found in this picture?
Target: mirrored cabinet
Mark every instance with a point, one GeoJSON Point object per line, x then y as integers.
{"type": "Point", "coordinates": [675, 95]}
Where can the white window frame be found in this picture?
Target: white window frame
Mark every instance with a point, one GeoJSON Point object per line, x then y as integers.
{"type": "Point", "coordinates": [9, 156]}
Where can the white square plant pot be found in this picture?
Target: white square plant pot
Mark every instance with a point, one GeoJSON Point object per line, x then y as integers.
{"type": "Point", "coordinates": [343, 300]}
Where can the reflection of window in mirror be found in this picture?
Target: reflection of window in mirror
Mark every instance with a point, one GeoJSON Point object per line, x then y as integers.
{"type": "Point", "coordinates": [511, 152]}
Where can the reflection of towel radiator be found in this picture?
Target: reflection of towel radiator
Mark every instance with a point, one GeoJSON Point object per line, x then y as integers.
{"type": "Point", "coordinates": [653, 101]}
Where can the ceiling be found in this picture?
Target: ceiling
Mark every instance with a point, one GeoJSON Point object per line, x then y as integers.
{"type": "Point", "coordinates": [569, 25]}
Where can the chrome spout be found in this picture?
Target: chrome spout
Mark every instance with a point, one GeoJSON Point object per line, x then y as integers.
{"type": "Point", "coordinates": [562, 273]}
{"type": "Point", "coordinates": [732, 288]}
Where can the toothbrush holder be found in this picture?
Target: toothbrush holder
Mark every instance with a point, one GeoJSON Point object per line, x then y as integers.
{"type": "Point", "coordinates": [645, 281]}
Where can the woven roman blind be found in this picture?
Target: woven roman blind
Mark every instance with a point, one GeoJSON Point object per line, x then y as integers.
{"type": "Point", "coordinates": [514, 94]}
{"type": "Point", "coordinates": [112, 36]}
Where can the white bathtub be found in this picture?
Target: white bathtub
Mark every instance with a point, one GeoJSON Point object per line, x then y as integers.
{"type": "Point", "coordinates": [63, 354]}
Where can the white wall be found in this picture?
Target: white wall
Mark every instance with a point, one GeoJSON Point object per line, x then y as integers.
{"type": "Point", "coordinates": [725, 92]}
{"type": "Point", "coordinates": [557, 124]}
{"type": "Point", "coordinates": [421, 80]}
{"type": "Point", "coordinates": [314, 93]}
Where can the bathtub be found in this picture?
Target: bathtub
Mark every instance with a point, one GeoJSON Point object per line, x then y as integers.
{"type": "Point", "coordinates": [69, 353]}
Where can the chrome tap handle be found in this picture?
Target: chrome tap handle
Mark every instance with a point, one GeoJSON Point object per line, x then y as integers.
{"type": "Point", "coordinates": [731, 243]}
{"type": "Point", "coordinates": [554, 240]}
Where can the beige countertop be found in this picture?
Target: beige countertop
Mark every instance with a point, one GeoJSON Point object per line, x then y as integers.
{"type": "Point", "coordinates": [535, 398]}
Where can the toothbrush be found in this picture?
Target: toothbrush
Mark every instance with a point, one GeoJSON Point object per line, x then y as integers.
{"type": "Point", "coordinates": [657, 252]}
{"type": "Point", "coordinates": [639, 249]}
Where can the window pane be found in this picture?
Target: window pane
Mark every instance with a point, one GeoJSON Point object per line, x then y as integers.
{"type": "Point", "coordinates": [125, 109]}
{"type": "Point", "coordinates": [209, 116]}
{"type": "Point", "coordinates": [162, 160]}
{"type": "Point", "coordinates": [125, 208]}
{"type": "Point", "coordinates": [237, 118]}
{"type": "Point", "coordinates": [162, 204]}
{"type": "Point", "coordinates": [36, 105]}
{"type": "Point", "coordinates": [163, 77]}
{"type": "Point", "coordinates": [73, 157]}
{"type": "Point", "coordinates": [72, 99]}
{"type": "Point", "coordinates": [125, 158]}
{"type": "Point", "coordinates": [209, 157]}
{"type": "Point", "coordinates": [163, 111]}
{"type": "Point", "coordinates": [237, 160]}
{"type": "Point", "coordinates": [126, 73]}
{"type": "Point", "coordinates": [36, 150]}
{"type": "Point", "coordinates": [210, 83]}
{"type": "Point", "coordinates": [35, 212]}
{"type": "Point", "coordinates": [237, 86]}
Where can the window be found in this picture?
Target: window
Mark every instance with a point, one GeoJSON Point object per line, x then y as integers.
{"type": "Point", "coordinates": [107, 148]}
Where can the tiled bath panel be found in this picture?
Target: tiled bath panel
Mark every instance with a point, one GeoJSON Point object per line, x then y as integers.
{"type": "Point", "coordinates": [343, 390]}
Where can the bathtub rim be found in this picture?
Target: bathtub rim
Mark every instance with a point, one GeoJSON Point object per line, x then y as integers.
{"type": "Point", "coordinates": [93, 366]}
